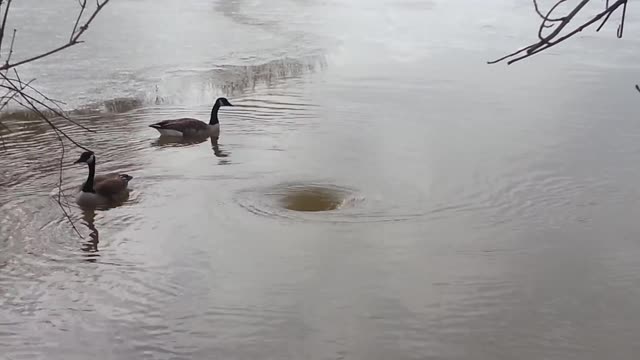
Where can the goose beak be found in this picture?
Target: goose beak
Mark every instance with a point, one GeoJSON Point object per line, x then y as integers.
{"type": "Point", "coordinates": [78, 161]}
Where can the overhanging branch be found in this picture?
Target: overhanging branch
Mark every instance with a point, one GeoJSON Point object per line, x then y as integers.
{"type": "Point", "coordinates": [555, 37]}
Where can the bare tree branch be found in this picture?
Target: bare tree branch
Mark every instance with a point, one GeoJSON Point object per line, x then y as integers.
{"type": "Point", "coordinates": [83, 5]}
{"type": "Point", "coordinates": [555, 37]}
{"type": "Point", "coordinates": [13, 39]}
{"type": "Point", "coordinates": [30, 101]}
{"type": "Point", "coordinates": [12, 93]}
{"type": "Point", "coordinates": [4, 20]}
{"type": "Point", "coordinates": [74, 39]}
{"type": "Point", "coordinates": [545, 17]}
{"type": "Point", "coordinates": [56, 111]}
{"type": "Point", "coordinates": [61, 196]}
{"type": "Point", "coordinates": [25, 95]}
{"type": "Point", "coordinates": [621, 26]}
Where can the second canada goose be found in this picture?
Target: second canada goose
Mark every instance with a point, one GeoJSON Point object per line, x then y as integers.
{"type": "Point", "coordinates": [101, 189]}
{"type": "Point", "coordinates": [193, 127]}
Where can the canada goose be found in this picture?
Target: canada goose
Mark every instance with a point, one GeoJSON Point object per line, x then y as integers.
{"type": "Point", "coordinates": [193, 127]}
{"type": "Point", "coordinates": [101, 189]}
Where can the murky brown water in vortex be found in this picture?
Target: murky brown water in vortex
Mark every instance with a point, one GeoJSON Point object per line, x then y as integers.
{"type": "Point", "coordinates": [377, 192]}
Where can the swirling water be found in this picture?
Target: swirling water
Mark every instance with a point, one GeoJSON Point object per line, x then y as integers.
{"type": "Point", "coordinates": [473, 211]}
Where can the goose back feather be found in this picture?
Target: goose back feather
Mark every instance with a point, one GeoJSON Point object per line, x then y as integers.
{"type": "Point", "coordinates": [189, 127]}
{"type": "Point", "coordinates": [101, 189]}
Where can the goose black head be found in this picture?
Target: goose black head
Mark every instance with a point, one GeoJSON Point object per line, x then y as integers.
{"type": "Point", "coordinates": [86, 157]}
{"type": "Point", "coordinates": [223, 102]}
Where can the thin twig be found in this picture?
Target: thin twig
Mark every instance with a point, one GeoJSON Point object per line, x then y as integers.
{"type": "Point", "coordinates": [83, 5]}
{"type": "Point", "coordinates": [546, 18]}
{"type": "Point", "coordinates": [621, 26]}
{"type": "Point", "coordinates": [61, 194]}
{"type": "Point", "coordinates": [49, 108]}
{"type": "Point", "coordinates": [519, 51]}
{"type": "Point", "coordinates": [14, 93]}
{"type": "Point", "coordinates": [74, 40]}
{"type": "Point", "coordinates": [28, 99]}
{"type": "Point", "coordinates": [538, 49]}
{"type": "Point", "coordinates": [58, 112]}
{"type": "Point", "coordinates": [84, 27]}
{"type": "Point", "coordinates": [16, 90]}
{"type": "Point", "coordinates": [4, 21]}
{"type": "Point", "coordinates": [563, 24]}
{"type": "Point", "coordinates": [550, 40]}
{"type": "Point", "coordinates": [38, 57]}
{"type": "Point", "coordinates": [59, 134]}
{"type": "Point", "coordinates": [606, 19]}
{"type": "Point", "coordinates": [13, 39]}
{"type": "Point", "coordinates": [52, 100]}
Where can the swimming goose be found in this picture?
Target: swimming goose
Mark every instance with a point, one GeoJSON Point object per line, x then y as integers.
{"type": "Point", "coordinates": [193, 127]}
{"type": "Point", "coordinates": [101, 189]}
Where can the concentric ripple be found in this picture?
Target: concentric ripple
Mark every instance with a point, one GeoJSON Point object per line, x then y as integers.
{"type": "Point", "coordinates": [311, 197]}
{"type": "Point", "coordinates": [295, 200]}
{"type": "Point", "coordinates": [323, 202]}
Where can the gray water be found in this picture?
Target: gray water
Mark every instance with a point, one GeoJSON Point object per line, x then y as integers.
{"type": "Point", "coordinates": [479, 211]}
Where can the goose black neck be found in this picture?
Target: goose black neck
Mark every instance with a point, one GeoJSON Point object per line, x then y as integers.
{"type": "Point", "coordinates": [214, 114]}
{"type": "Point", "coordinates": [88, 185]}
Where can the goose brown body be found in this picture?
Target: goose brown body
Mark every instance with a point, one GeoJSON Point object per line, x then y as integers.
{"type": "Point", "coordinates": [110, 184]}
{"type": "Point", "coordinates": [189, 127]}
{"type": "Point", "coordinates": [101, 189]}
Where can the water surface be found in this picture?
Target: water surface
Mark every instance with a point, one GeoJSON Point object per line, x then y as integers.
{"type": "Point", "coordinates": [475, 211]}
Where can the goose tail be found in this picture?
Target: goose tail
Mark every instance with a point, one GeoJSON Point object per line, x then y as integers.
{"type": "Point", "coordinates": [126, 177]}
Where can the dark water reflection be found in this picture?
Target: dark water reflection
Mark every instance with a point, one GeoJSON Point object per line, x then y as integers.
{"type": "Point", "coordinates": [171, 141]}
{"type": "Point", "coordinates": [166, 141]}
{"type": "Point", "coordinates": [90, 246]}
{"type": "Point", "coordinates": [472, 211]}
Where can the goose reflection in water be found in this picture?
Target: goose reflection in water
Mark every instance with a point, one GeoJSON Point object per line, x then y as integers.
{"type": "Point", "coordinates": [184, 142]}
{"type": "Point", "coordinates": [90, 247]}
{"type": "Point", "coordinates": [215, 146]}
{"type": "Point", "coordinates": [177, 141]}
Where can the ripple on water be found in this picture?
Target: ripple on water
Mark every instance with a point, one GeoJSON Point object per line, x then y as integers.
{"type": "Point", "coordinates": [326, 202]}
{"type": "Point", "coordinates": [311, 197]}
